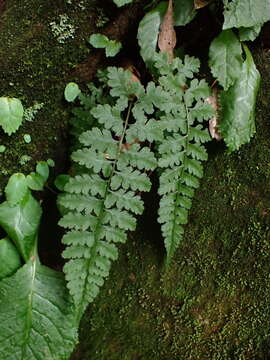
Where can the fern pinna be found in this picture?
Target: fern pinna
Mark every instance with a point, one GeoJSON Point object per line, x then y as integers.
{"type": "Point", "coordinates": [101, 202]}
{"type": "Point", "coordinates": [181, 151]}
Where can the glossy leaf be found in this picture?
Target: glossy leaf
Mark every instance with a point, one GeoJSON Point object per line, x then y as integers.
{"type": "Point", "coordinates": [21, 223]}
{"type": "Point", "coordinates": [10, 259]}
{"type": "Point", "coordinates": [16, 188]}
{"type": "Point", "coordinates": [225, 58]}
{"type": "Point", "coordinates": [37, 319]}
{"type": "Point", "coordinates": [246, 13]}
{"type": "Point", "coordinates": [249, 34]}
{"type": "Point", "coordinates": [148, 32]}
{"type": "Point", "coordinates": [184, 12]}
{"type": "Point", "coordinates": [238, 106]}
{"type": "Point", "coordinates": [11, 114]}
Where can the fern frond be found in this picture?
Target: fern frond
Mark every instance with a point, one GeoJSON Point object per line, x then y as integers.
{"type": "Point", "coordinates": [102, 203]}
{"type": "Point", "coordinates": [182, 151]}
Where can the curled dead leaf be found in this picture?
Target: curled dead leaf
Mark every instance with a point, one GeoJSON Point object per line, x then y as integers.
{"type": "Point", "coordinates": [213, 123]}
{"type": "Point", "coordinates": [135, 75]}
{"type": "Point", "coordinates": [167, 35]}
{"type": "Point", "coordinates": [198, 4]}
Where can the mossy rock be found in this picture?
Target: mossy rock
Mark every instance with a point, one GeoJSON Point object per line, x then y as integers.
{"type": "Point", "coordinates": [212, 302]}
{"type": "Point", "coordinates": [37, 59]}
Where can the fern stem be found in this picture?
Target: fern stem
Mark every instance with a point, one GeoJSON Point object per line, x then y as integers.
{"type": "Point", "coordinates": [125, 127]}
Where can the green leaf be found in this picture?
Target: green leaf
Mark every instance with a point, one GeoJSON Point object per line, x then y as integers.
{"type": "Point", "coordinates": [11, 114]}
{"type": "Point", "coordinates": [35, 181]}
{"type": "Point", "coordinates": [112, 48]}
{"type": "Point", "coordinates": [102, 42]}
{"type": "Point", "coordinates": [225, 58]}
{"type": "Point", "coordinates": [10, 259]}
{"type": "Point", "coordinates": [245, 13]}
{"type": "Point", "coordinates": [148, 33]}
{"type": "Point", "coordinates": [42, 169]}
{"type": "Point", "coordinates": [61, 181]}
{"type": "Point", "coordinates": [37, 318]}
{"type": "Point", "coordinates": [16, 188]}
{"type": "Point", "coordinates": [120, 3]}
{"type": "Point", "coordinates": [249, 34]}
{"type": "Point", "coordinates": [184, 12]}
{"type": "Point", "coordinates": [50, 162]}
{"type": "Point", "coordinates": [21, 223]}
{"type": "Point", "coordinates": [72, 90]}
{"type": "Point", "coordinates": [238, 106]}
{"type": "Point", "coordinates": [27, 138]}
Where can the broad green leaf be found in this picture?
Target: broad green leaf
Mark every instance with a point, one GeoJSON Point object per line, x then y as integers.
{"type": "Point", "coordinates": [37, 318]}
{"type": "Point", "coordinates": [21, 223]}
{"type": "Point", "coordinates": [225, 58]}
{"type": "Point", "coordinates": [11, 114]}
{"type": "Point", "coordinates": [71, 91]}
{"type": "Point", "coordinates": [102, 42]}
{"type": "Point", "coordinates": [238, 106]}
{"type": "Point", "coordinates": [10, 259]}
{"type": "Point", "coordinates": [148, 33]}
{"type": "Point", "coordinates": [249, 34]}
{"type": "Point", "coordinates": [120, 3]}
{"type": "Point", "coordinates": [184, 12]}
{"type": "Point", "coordinates": [246, 13]}
{"type": "Point", "coordinates": [16, 188]}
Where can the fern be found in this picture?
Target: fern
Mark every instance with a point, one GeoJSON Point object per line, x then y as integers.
{"type": "Point", "coordinates": [101, 203]}
{"type": "Point", "coordinates": [181, 152]}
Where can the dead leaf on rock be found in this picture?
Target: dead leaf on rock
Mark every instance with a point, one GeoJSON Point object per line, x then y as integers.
{"type": "Point", "coordinates": [128, 65]}
{"type": "Point", "coordinates": [213, 123]}
{"type": "Point", "coordinates": [198, 4]}
{"type": "Point", "coordinates": [167, 35]}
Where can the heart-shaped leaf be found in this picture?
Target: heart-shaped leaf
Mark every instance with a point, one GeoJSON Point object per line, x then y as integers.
{"type": "Point", "coordinates": [16, 188]}
{"type": "Point", "coordinates": [11, 114]}
{"type": "Point", "coordinates": [72, 90]}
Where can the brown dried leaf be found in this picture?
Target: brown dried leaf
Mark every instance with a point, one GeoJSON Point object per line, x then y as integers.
{"type": "Point", "coordinates": [128, 65]}
{"type": "Point", "coordinates": [213, 123]}
{"type": "Point", "coordinates": [167, 35]}
{"type": "Point", "coordinates": [198, 4]}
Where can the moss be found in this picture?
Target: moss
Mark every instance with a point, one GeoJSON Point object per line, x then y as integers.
{"type": "Point", "coordinates": [36, 68]}
{"type": "Point", "coordinates": [213, 300]}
